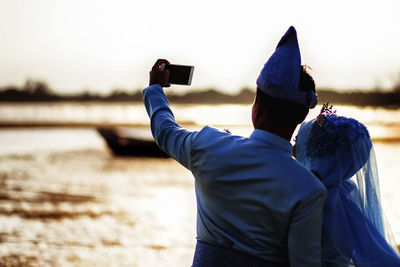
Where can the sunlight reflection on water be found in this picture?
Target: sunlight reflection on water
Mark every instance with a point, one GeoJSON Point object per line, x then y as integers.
{"type": "Point", "coordinates": [381, 122]}
{"type": "Point", "coordinates": [86, 207]}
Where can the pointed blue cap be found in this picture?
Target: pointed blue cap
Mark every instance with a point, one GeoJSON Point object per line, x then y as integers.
{"type": "Point", "coordinates": [280, 76]}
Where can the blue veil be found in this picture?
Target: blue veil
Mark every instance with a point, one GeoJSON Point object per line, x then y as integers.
{"type": "Point", "coordinates": [339, 150]}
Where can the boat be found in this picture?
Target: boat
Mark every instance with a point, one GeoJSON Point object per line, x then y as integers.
{"type": "Point", "coordinates": [131, 142]}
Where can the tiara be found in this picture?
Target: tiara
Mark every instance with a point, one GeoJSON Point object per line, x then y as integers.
{"type": "Point", "coordinates": [332, 132]}
{"type": "Point", "coordinates": [325, 111]}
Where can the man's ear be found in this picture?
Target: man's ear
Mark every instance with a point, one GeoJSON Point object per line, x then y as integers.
{"type": "Point", "coordinates": [260, 108]}
{"type": "Point", "coordinates": [258, 112]}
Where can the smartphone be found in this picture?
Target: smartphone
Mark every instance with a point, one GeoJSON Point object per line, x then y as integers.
{"type": "Point", "coordinates": [180, 74]}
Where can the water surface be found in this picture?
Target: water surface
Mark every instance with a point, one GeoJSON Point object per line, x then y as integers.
{"type": "Point", "coordinates": [66, 200]}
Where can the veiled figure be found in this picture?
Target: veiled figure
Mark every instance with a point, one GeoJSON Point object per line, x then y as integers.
{"type": "Point", "coordinates": [339, 151]}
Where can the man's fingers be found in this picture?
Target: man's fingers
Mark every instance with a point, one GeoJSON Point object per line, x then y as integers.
{"type": "Point", "coordinates": [158, 74]}
{"type": "Point", "coordinates": [159, 63]}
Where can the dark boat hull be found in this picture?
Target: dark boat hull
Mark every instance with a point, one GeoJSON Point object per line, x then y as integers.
{"type": "Point", "coordinates": [130, 145]}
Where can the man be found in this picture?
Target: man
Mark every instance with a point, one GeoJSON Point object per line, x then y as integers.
{"type": "Point", "coordinates": [256, 206]}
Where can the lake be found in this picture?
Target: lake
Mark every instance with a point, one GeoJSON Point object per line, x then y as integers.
{"type": "Point", "coordinates": [65, 200]}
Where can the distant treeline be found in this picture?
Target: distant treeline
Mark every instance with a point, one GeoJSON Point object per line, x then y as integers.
{"type": "Point", "coordinates": [38, 91]}
{"type": "Point", "coordinates": [359, 98]}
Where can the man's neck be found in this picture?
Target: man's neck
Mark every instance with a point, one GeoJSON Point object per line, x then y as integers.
{"type": "Point", "coordinates": [284, 132]}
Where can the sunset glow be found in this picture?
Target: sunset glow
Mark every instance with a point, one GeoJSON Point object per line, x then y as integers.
{"type": "Point", "coordinates": [101, 45]}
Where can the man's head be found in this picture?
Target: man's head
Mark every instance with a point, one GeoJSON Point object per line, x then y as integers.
{"type": "Point", "coordinates": [271, 111]}
{"type": "Point", "coordinates": [280, 76]}
{"type": "Point", "coordinates": [285, 91]}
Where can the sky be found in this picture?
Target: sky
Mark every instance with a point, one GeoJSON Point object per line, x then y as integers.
{"type": "Point", "coordinates": [99, 46]}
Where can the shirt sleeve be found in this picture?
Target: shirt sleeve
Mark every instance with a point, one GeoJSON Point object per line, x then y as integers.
{"type": "Point", "coordinates": [304, 238]}
{"type": "Point", "coordinates": [169, 135]}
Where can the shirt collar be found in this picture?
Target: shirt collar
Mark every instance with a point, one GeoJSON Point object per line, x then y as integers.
{"type": "Point", "coordinates": [272, 139]}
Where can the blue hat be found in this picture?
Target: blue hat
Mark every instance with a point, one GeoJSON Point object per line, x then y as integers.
{"type": "Point", "coordinates": [280, 76]}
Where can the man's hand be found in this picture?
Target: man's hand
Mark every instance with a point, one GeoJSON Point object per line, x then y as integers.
{"type": "Point", "coordinates": [158, 74]}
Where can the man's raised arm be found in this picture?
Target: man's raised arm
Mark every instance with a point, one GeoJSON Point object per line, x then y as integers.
{"type": "Point", "coordinates": [170, 136]}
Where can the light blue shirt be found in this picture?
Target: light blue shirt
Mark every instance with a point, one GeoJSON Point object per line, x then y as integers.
{"type": "Point", "coordinates": [251, 194]}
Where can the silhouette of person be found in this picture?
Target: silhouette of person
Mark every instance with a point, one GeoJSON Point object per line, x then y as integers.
{"type": "Point", "coordinates": [256, 205]}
